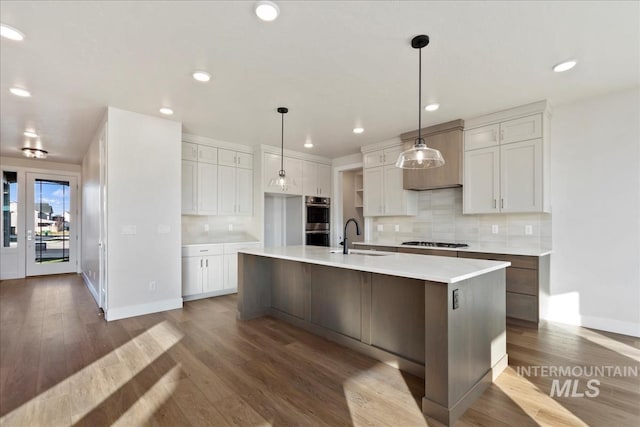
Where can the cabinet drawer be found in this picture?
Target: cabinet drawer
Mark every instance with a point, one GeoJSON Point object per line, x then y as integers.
{"type": "Point", "coordinates": [524, 307]}
{"type": "Point", "coordinates": [202, 250]}
{"type": "Point", "coordinates": [518, 261]}
{"type": "Point", "coordinates": [434, 252]}
{"type": "Point", "coordinates": [244, 160]}
{"type": "Point", "coordinates": [226, 157]}
{"type": "Point", "coordinates": [522, 281]}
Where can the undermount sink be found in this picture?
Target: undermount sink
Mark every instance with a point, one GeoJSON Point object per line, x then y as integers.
{"type": "Point", "coordinates": [360, 252]}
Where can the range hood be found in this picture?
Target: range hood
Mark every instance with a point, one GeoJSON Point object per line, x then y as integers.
{"type": "Point", "coordinates": [447, 138]}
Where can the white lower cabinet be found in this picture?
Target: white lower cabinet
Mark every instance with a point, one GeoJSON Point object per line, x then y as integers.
{"type": "Point", "coordinates": [202, 271]}
{"type": "Point", "coordinates": [211, 269]}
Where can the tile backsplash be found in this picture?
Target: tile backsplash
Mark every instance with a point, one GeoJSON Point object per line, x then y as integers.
{"type": "Point", "coordinates": [440, 219]}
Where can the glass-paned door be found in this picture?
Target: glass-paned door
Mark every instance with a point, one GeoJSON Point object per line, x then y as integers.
{"type": "Point", "coordinates": [51, 224]}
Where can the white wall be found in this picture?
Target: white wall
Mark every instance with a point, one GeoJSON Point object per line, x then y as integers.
{"type": "Point", "coordinates": [143, 197]}
{"type": "Point", "coordinates": [595, 167]}
{"type": "Point", "coordinates": [91, 215]}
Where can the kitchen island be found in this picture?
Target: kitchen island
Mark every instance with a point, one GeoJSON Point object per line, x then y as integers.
{"type": "Point", "coordinates": [436, 317]}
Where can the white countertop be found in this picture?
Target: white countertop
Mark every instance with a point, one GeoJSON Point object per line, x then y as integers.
{"type": "Point", "coordinates": [205, 239]}
{"type": "Point", "coordinates": [471, 248]}
{"type": "Point", "coordinates": [422, 267]}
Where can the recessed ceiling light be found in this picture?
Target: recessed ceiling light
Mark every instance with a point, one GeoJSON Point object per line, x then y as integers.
{"type": "Point", "coordinates": [358, 130]}
{"type": "Point", "coordinates": [11, 33]}
{"type": "Point", "coordinates": [267, 11]}
{"type": "Point", "coordinates": [18, 91]}
{"type": "Point", "coordinates": [564, 66]}
{"type": "Point", "coordinates": [201, 76]}
{"type": "Point", "coordinates": [308, 144]}
{"type": "Point", "coordinates": [166, 111]}
{"type": "Point", "coordinates": [432, 107]}
{"type": "Point", "coordinates": [30, 133]}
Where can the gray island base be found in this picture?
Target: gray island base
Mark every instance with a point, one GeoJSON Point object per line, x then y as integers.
{"type": "Point", "coordinates": [390, 308]}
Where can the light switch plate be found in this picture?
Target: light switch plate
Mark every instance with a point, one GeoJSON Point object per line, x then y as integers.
{"type": "Point", "coordinates": [495, 229]}
{"type": "Point", "coordinates": [206, 227]}
{"type": "Point", "coordinates": [397, 227]}
{"type": "Point", "coordinates": [380, 227]}
{"type": "Point", "coordinates": [164, 229]}
{"type": "Point", "coordinates": [230, 227]}
{"type": "Point", "coordinates": [528, 230]}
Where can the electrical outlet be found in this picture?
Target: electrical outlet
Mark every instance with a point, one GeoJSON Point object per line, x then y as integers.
{"type": "Point", "coordinates": [456, 298]}
{"type": "Point", "coordinates": [495, 229]}
{"type": "Point", "coordinates": [230, 227]}
{"type": "Point", "coordinates": [528, 230]}
{"type": "Point", "coordinates": [152, 285]}
{"type": "Point", "coordinates": [397, 227]}
{"type": "Point", "coordinates": [380, 227]}
{"type": "Point", "coordinates": [206, 227]}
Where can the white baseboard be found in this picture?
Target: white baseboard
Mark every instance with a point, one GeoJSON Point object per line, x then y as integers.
{"type": "Point", "coordinates": [92, 289]}
{"type": "Point", "coordinates": [142, 309]}
{"type": "Point", "coordinates": [600, 323]}
{"type": "Point", "coordinates": [210, 294]}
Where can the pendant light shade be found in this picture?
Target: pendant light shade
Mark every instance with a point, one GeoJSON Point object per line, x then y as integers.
{"type": "Point", "coordinates": [282, 181]}
{"type": "Point", "coordinates": [420, 156]}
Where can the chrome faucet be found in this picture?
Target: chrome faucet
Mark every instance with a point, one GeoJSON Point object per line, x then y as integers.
{"type": "Point", "coordinates": [345, 248]}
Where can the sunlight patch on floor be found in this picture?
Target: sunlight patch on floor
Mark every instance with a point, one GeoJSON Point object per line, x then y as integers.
{"type": "Point", "coordinates": [89, 387]}
{"type": "Point", "coordinates": [605, 341]}
{"type": "Point", "coordinates": [534, 402]}
{"type": "Point", "coordinates": [364, 406]}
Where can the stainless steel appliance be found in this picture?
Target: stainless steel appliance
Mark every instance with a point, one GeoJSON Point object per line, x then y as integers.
{"type": "Point", "coordinates": [318, 217]}
{"type": "Point", "coordinates": [436, 244]}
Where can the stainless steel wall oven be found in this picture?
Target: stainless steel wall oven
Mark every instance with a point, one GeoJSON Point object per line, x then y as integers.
{"type": "Point", "coordinates": [318, 215]}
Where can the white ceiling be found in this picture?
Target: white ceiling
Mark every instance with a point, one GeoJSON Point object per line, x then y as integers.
{"type": "Point", "coordinates": [334, 64]}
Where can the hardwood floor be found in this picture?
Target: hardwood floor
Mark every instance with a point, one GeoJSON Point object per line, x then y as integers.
{"type": "Point", "coordinates": [62, 364]}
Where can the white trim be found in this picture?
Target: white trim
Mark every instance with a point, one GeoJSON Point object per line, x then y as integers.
{"type": "Point", "coordinates": [388, 143]}
{"type": "Point", "coordinates": [203, 140]}
{"type": "Point", "coordinates": [91, 288]}
{"type": "Point", "coordinates": [511, 113]}
{"type": "Point", "coordinates": [210, 294]}
{"type": "Point", "coordinates": [142, 309]}
{"type": "Point", "coordinates": [294, 154]}
{"type": "Point", "coordinates": [600, 323]}
{"type": "Point", "coordinates": [336, 204]}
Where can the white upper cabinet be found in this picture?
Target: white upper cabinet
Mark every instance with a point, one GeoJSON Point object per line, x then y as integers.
{"type": "Point", "coordinates": [235, 158]}
{"type": "Point", "coordinates": [189, 186]}
{"type": "Point", "coordinates": [506, 165]}
{"type": "Point", "coordinates": [384, 194]}
{"type": "Point", "coordinates": [212, 189]}
{"type": "Point", "coordinates": [207, 154]}
{"type": "Point", "coordinates": [387, 156]}
{"type": "Point", "coordinates": [316, 179]}
{"type": "Point", "coordinates": [189, 151]}
{"type": "Point", "coordinates": [207, 189]}
{"type": "Point", "coordinates": [235, 191]}
{"type": "Point", "coordinates": [293, 170]}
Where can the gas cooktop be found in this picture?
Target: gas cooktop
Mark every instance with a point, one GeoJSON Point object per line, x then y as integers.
{"type": "Point", "coordinates": [436, 244]}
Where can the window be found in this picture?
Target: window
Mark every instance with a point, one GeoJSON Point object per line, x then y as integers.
{"type": "Point", "coordinates": [9, 209]}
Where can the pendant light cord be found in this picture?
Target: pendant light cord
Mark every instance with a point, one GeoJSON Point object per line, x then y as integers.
{"type": "Point", "coordinates": [419, 140]}
{"type": "Point", "coordinates": [282, 143]}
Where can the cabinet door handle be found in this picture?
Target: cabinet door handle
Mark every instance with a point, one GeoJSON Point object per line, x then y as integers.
{"type": "Point", "coordinates": [494, 203]}
{"type": "Point", "coordinates": [207, 263]}
{"type": "Point", "coordinates": [200, 262]}
{"type": "Point", "coordinates": [501, 134]}
{"type": "Point", "coordinates": [502, 203]}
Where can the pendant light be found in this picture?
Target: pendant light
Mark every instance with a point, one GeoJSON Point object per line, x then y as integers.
{"type": "Point", "coordinates": [420, 156]}
{"type": "Point", "coordinates": [281, 180]}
